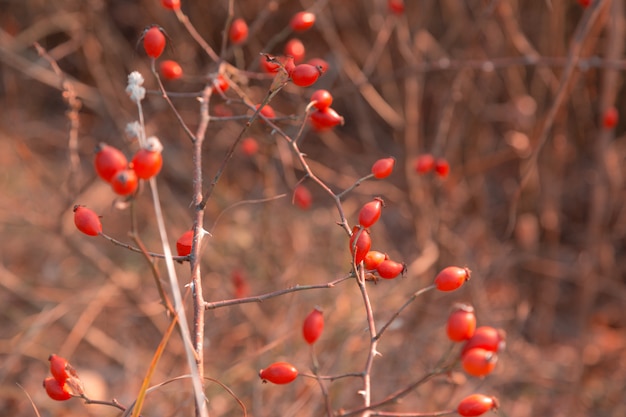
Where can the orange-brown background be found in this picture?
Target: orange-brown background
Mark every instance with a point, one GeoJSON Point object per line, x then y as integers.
{"type": "Point", "coordinates": [555, 281]}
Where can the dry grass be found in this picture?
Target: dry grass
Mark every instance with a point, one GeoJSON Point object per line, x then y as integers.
{"type": "Point", "coordinates": [511, 92]}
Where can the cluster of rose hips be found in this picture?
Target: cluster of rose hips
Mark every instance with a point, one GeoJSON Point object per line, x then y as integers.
{"type": "Point", "coordinates": [481, 345]}
{"type": "Point", "coordinates": [64, 382]}
{"type": "Point", "coordinates": [426, 163]}
{"type": "Point", "coordinates": [112, 166]}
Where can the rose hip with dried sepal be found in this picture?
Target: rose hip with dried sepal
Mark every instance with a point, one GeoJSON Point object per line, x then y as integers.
{"type": "Point", "coordinates": [148, 161]}
{"type": "Point", "coordinates": [461, 323]}
{"type": "Point", "coordinates": [279, 373]}
{"type": "Point", "coordinates": [154, 41]}
{"type": "Point", "coordinates": [389, 269]}
{"type": "Point", "coordinates": [370, 212]}
{"type": "Point", "coordinates": [476, 405]}
{"type": "Point", "coordinates": [87, 221]}
{"type": "Point", "coordinates": [479, 362]}
{"type": "Point", "coordinates": [108, 161]}
{"type": "Point", "coordinates": [452, 278]}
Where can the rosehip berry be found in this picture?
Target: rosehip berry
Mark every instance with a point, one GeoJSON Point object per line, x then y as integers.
{"type": "Point", "coordinates": [171, 4]}
{"type": "Point", "coordinates": [322, 99]}
{"type": "Point", "coordinates": [58, 368]}
{"type": "Point", "coordinates": [488, 338]}
{"type": "Point", "coordinates": [249, 146]}
{"type": "Point", "coordinates": [610, 118]}
{"type": "Point", "coordinates": [125, 182]}
{"type": "Point", "coordinates": [269, 66]}
{"type": "Point", "coordinates": [56, 390]}
{"type": "Point", "coordinates": [242, 289]}
{"type": "Point", "coordinates": [267, 111]}
{"type": "Point", "coordinates": [302, 197]}
{"type": "Point", "coordinates": [220, 84]}
{"type": "Point", "coordinates": [154, 41]}
{"type": "Point", "coordinates": [302, 21]}
{"type": "Point", "coordinates": [108, 161]}
{"type": "Point", "coordinates": [325, 119]}
{"type": "Point", "coordinates": [171, 70]}
{"type": "Point", "coordinates": [238, 32]}
{"type": "Point", "coordinates": [183, 244]}
{"type": "Point", "coordinates": [370, 212]}
{"type": "Point", "coordinates": [584, 3]}
{"type": "Point", "coordinates": [295, 48]}
{"type": "Point", "coordinates": [360, 243]}
{"type": "Point", "coordinates": [279, 373]}
{"type": "Point", "coordinates": [461, 323]}
{"type": "Point", "coordinates": [476, 405]}
{"type": "Point", "coordinates": [319, 63]}
{"type": "Point", "coordinates": [148, 161]}
{"type": "Point", "coordinates": [442, 167]}
{"type": "Point", "coordinates": [304, 75]}
{"type": "Point", "coordinates": [373, 259]}
{"type": "Point", "coordinates": [452, 278]}
{"type": "Point", "coordinates": [396, 6]}
{"type": "Point", "coordinates": [389, 269]}
{"type": "Point", "coordinates": [479, 361]}
{"type": "Point", "coordinates": [313, 326]}
{"type": "Point", "coordinates": [383, 167]}
{"type": "Point", "coordinates": [87, 221]}
{"type": "Point", "coordinates": [424, 163]}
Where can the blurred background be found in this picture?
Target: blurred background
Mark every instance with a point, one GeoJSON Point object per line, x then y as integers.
{"type": "Point", "coordinates": [512, 93]}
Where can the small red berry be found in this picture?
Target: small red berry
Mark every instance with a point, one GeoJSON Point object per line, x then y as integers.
{"type": "Point", "coordinates": [461, 323]}
{"type": "Point", "coordinates": [220, 84]}
{"type": "Point", "coordinates": [148, 161]}
{"type": "Point", "coordinates": [295, 48]}
{"type": "Point", "coordinates": [424, 163]}
{"type": "Point", "coordinates": [383, 167]}
{"type": "Point", "coordinates": [154, 41]}
{"type": "Point", "coordinates": [396, 6]}
{"type": "Point", "coordinates": [486, 337]}
{"type": "Point", "coordinates": [360, 243]}
{"type": "Point", "coordinates": [302, 21]}
{"type": "Point", "coordinates": [279, 373]}
{"type": "Point", "coordinates": [249, 146]}
{"type": "Point", "coordinates": [238, 32]}
{"type": "Point", "coordinates": [584, 3]}
{"type": "Point", "coordinates": [304, 75]}
{"type": "Point", "coordinates": [370, 212]}
{"type": "Point", "coordinates": [313, 326]}
{"type": "Point", "coordinates": [442, 167]}
{"type": "Point", "coordinates": [56, 390]}
{"type": "Point", "coordinates": [171, 4]}
{"type": "Point", "coordinates": [452, 278]}
{"type": "Point", "coordinates": [476, 405]}
{"type": "Point", "coordinates": [389, 269]}
{"type": "Point", "coordinates": [58, 368]}
{"type": "Point", "coordinates": [270, 66]}
{"type": "Point", "coordinates": [610, 118]}
{"type": "Point", "coordinates": [171, 70]}
{"type": "Point", "coordinates": [479, 361]}
{"type": "Point", "coordinates": [322, 99]}
{"type": "Point", "coordinates": [108, 161]}
{"type": "Point", "coordinates": [87, 221]}
{"type": "Point", "coordinates": [125, 182]}
{"type": "Point", "coordinates": [373, 259]}
{"type": "Point", "coordinates": [242, 288]}
{"type": "Point", "coordinates": [319, 63]}
{"type": "Point", "coordinates": [267, 111]}
{"type": "Point", "coordinates": [183, 244]}
{"type": "Point", "coordinates": [302, 197]}
{"type": "Point", "coordinates": [325, 119]}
